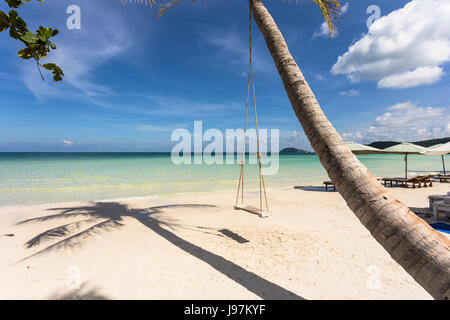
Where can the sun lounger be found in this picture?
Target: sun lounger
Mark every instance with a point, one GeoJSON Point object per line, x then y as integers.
{"type": "Point", "coordinates": [442, 178]}
{"type": "Point", "coordinates": [329, 184]}
{"type": "Point", "coordinates": [418, 180]}
{"type": "Point", "coordinates": [441, 206]}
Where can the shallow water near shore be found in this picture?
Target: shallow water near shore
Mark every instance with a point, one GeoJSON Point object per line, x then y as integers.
{"type": "Point", "coordinates": [31, 178]}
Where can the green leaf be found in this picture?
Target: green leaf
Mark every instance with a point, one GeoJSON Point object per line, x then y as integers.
{"type": "Point", "coordinates": [26, 53]}
{"type": "Point", "coordinates": [44, 33]}
{"type": "Point", "coordinates": [17, 3]}
{"type": "Point", "coordinates": [37, 46]}
{"type": "Point", "coordinates": [14, 3]}
{"type": "Point", "coordinates": [29, 37]}
{"type": "Point", "coordinates": [4, 21]}
{"type": "Point", "coordinates": [18, 27]}
{"type": "Point", "coordinates": [57, 72]}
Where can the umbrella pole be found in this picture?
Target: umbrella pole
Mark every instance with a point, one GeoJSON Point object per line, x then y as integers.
{"type": "Point", "coordinates": [443, 164]}
{"type": "Point", "coordinates": [406, 166]}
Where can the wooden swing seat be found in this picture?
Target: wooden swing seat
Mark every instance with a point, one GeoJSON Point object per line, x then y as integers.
{"type": "Point", "coordinates": [251, 209]}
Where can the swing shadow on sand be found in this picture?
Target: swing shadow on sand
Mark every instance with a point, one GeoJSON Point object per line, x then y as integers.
{"type": "Point", "coordinates": [108, 216]}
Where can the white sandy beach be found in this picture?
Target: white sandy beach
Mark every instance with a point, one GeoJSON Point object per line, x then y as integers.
{"type": "Point", "coordinates": [197, 247]}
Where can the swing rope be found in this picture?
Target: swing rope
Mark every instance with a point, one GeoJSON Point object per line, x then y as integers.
{"type": "Point", "coordinates": [262, 185]}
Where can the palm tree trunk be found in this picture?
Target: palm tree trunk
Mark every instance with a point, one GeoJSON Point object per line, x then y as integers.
{"type": "Point", "coordinates": [423, 252]}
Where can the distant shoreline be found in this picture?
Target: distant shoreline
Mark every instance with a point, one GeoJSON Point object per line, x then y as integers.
{"type": "Point", "coordinates": [137, 152]}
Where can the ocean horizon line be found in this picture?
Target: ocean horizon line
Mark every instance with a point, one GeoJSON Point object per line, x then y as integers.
{"type": "Point", "coordinates": [148, 152]}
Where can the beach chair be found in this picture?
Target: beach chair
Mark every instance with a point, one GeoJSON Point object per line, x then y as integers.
{"type": "Point", "coordinates": [329, 184]}
{"type": "Point", "coordinates": [417, 180]}
{"type": "Point", "coordinates": [427, 179]}
{"type": "Point", "coordinates": [442, 178]}
{"type": "Point", "coordinates": [441, 206]}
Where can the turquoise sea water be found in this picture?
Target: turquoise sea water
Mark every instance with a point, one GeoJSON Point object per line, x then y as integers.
{"type": "Point", "coordinates": [27, 178]}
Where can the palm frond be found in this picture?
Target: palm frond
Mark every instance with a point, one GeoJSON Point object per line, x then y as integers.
{"type": "Point", "coordinates": [167, 6]}
{"type": "Point", "coordinates": [163, 5]}
{"type": "Point", "coordinates": [331, 11]}
{"type": "Point", "coordinates": [144, 2]}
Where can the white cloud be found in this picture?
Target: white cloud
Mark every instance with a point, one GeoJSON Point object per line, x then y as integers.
{"type": "Point", "coordinates": [151, 128]}
{"type": "Point", "coordinates": [233, 47]}
{"type": "Point", "coordinates": [344, 8]}
{"type": "Point", "coordinates": [319, 77]}
{"type": "Point", "coordinates": [403, 49]}
{"type": "Point", "coordinates": [324, 31]}
{"type": "Point", "coordinates": [406, 121]}
{"type": "Point", "coordinates": [173, 105]}
{"type": "Point", "coordinates": [349, 93]}
{"type": "Point", "coordinates": [414, 78]}
{"type": "Point", "coordinates": [295, 139]}
{"type": "Point", "coordinates": [353, 136]}
{"type": "Point", "coordinates": [80, 52]}
{"type": "Point", "coordinates": [169, 105]}
{"type": "Point", "coordinates": [67, 143]}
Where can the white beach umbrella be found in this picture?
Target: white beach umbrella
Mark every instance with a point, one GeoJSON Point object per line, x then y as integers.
{"type": "Point", "coordinates": [405, 148]}
{"type": "Point", "coordinates": [438, 150]}
{"type": "Point", "coordinates": [358, 148]}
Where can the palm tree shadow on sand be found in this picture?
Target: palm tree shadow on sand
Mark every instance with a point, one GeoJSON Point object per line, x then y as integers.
{"type": "Point", "coordinates": [315, 188]}
{"type": "Point", "coordinates": [108, 216]}
{"type": "Point", "coordinates": [84, 292]}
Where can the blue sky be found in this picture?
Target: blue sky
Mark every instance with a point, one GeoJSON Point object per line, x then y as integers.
{"type": "Point", "coordinates": [132, 78]}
